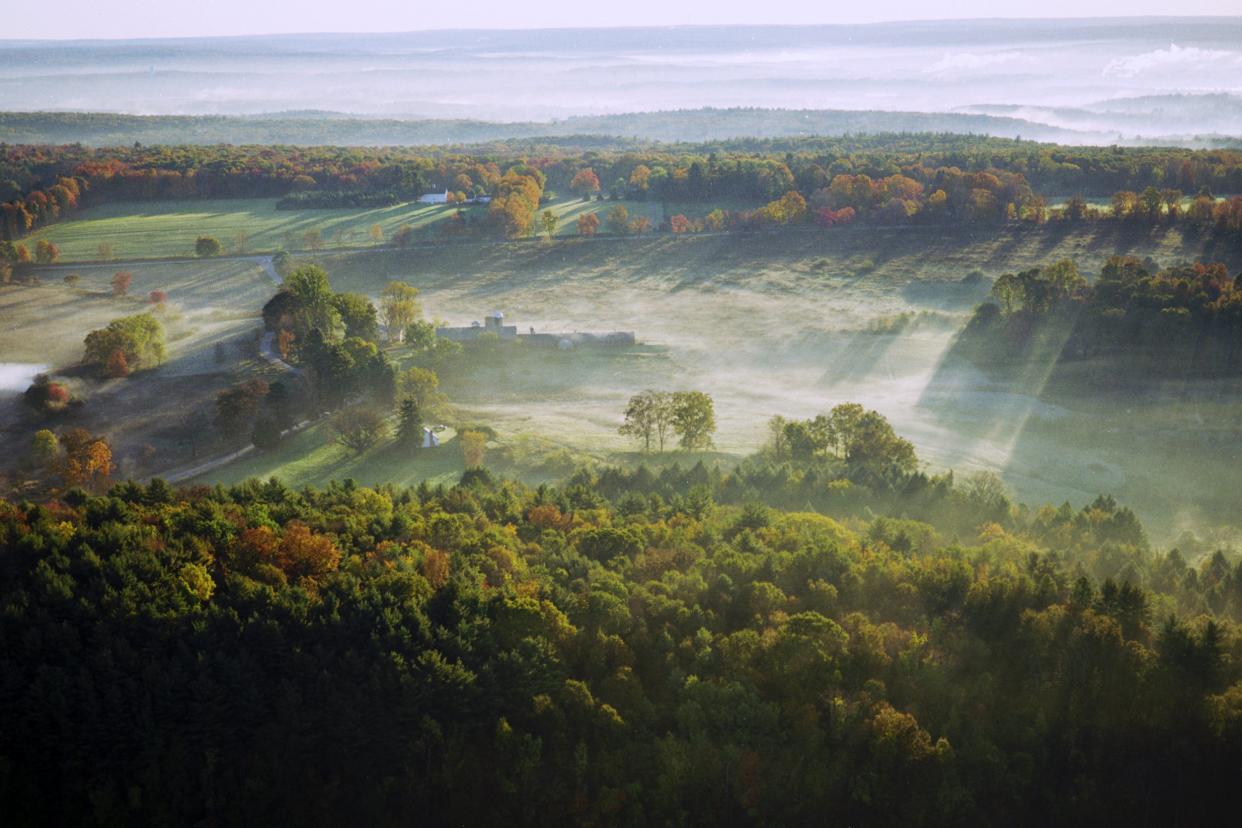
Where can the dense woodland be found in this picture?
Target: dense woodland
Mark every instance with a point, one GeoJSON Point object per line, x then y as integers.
{"type": "Point", "coordinates": [1179, 320]}
{"type": "Point", "coordinates": [886, 179]}
{"type": "Point", "coordinates": [633, 647]}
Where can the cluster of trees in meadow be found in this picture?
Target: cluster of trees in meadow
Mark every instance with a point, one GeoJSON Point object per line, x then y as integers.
{"type": "Point", "coordinates": [127, 344]}
{"type": "Point", "coordinates": [654, 417]}
{"type": "Point", "coordinates": [334, 341]}
{"type": "Point", "coordinates": [689, 646]}
{"type": "Point", "coordinates": [1185, 318]}
{"type": "Point", "coordinates": [515, 200]}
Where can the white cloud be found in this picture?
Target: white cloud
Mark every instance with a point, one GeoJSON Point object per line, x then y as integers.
{"type": "Point", "coordinates": [1188, 59]}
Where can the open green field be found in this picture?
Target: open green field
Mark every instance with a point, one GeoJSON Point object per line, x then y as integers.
{"type": "Point", "coordinates": [168, 228]}
{"type": "Point", "coordinates": [145, 230]}
{"type": "Point", "coordinates": [312, 458]}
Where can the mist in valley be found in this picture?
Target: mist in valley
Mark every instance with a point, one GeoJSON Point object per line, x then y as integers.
{"type": "Point", "coordinates": [796, 334]}
{"type": "Point", "coordinates": [1088, 81]}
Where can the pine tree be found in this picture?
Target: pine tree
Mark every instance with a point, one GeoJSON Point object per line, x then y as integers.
{"type": "Point", "coordinates": [410, 425]}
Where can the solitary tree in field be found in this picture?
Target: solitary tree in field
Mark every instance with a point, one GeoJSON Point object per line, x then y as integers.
{"type": "Point", "coordinates": [376, 233]}
{"type": "Point", "coordinates": [72, 279]}
{"type": "Point", "coordinates": [694, 419]}
{"type": "Point", "coordinates": [104, 251]}
{"type": "Point", "coordinates": [158, 297]}
{"type": "Point", "coordinates": [46, 396]}
{"type": "Point", "coordinates": [588, 224]}
{"type": "Point", "coordinates": [206, 246]}
{"type": "Point", "coordinates": [121, 280]}
{"type": "Point", "coordinates": [549, 220]}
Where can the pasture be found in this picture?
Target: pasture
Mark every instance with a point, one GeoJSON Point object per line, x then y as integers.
{"type": "Point", "coordinates": [793, 324]}
{"type": "Point", "coordinates": [165, 229]}
{"type": "Point", "coordinates": [156, 419]}
{"type": "Point", "coordinates": [787, 324]}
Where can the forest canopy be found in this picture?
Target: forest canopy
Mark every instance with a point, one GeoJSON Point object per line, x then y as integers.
{"type": "Point", "coordinates": [629, 647]}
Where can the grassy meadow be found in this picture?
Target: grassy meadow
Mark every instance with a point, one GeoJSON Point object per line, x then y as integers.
{"type": "Point", "coordinates": [210, 322]}
{"type": "Point", "coordinates": [158, 229]}
{"type": "Point", "coordinates": [793, 324]}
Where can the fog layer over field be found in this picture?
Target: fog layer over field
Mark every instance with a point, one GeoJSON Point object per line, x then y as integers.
{"type": "Point", "coordinates": [794, 327]}
{"type": "Point", "coordinates": [1099, 77]}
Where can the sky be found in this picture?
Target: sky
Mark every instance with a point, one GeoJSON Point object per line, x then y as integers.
{"type": "Point", "coordinates": [72, 19]}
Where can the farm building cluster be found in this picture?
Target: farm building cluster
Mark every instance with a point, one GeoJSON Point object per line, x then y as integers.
{"type": "Point", "coordinates": [494, 323]}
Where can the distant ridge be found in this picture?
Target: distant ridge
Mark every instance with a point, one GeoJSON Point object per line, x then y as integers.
{"type": "Point", "coordinates": [330, 128]}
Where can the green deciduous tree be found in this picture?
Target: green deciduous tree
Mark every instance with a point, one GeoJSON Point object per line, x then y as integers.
{"type": "Point", "coordinates": [693, 419]}
{"type": "Point", "coordinates": [399, 308]}
{"type": "Point", "coordinates": [140, 339]}
{"type": "Point", "coordinates": [359, 428]}
{"type": "Point", "coordinates": [649, 417]}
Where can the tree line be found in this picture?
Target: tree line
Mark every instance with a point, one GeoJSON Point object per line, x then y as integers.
{"type": "Point", "coordinates": [1184, 318]}
{"type": "Point", "coordinates": [951, 177]}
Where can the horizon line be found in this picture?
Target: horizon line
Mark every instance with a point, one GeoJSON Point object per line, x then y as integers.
{"type": "Point", "coordinates": [629, 27]}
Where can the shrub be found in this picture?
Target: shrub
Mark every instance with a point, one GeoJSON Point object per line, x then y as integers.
{"type": "Point", "coordinates": [206, 246]}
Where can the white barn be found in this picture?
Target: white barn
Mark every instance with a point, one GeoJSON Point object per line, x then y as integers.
{"type": "Point", "coordinates": [434, 198]}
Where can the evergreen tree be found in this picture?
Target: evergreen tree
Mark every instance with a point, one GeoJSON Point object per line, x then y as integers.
{"type": "Point", "coordinates": [410, 425]}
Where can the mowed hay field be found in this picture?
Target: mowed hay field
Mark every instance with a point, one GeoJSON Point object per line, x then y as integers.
{"type": "Point", "coordinates": [211, 321]}
{"type": "Point", "coordinates": [169, 228]}
{"type": "Point", "coordinates": [157, 229]}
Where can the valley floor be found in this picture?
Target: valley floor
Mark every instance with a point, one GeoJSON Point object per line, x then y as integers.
{"type": "Point", "coordinates": [787, 324]}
